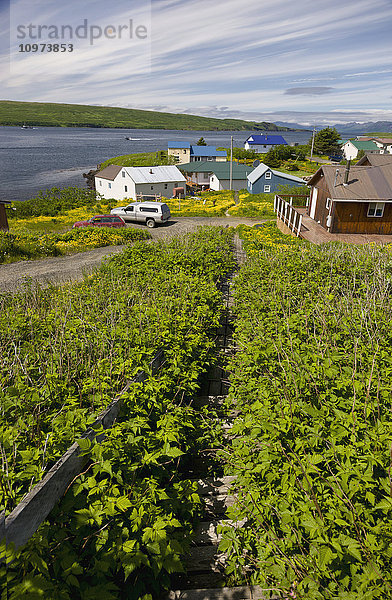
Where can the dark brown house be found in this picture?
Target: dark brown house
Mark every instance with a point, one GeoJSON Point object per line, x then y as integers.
{"type": "Point", "coordinates": [355, 199]}
{"type": "Point", "coordinates": [3, 215]}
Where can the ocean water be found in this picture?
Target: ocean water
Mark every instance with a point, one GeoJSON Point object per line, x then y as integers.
{"type": "Point", "coordinates": [36, 159]}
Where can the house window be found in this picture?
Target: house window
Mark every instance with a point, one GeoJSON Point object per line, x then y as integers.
{"type": "Point", "coordinates": [125, 188]}
{"type": "Point", "coordinates": [375, 209]}
{"type": "Point", "coordinates": [165, 186]}
{"type": "Point", "coordinates": [100, 182]}
{"type": "Point", "coordinates": [206, 175]}
{"type": "Point", "coordinates": [328, 203]}
{"type": "Point", "coordinates": [152, 187]}
{"type": "Point", "coordinates": [184, 151]}
{"type": "Point", "coordinates": [267, 188]}
{"type": "Point", "coordinates": [268, 175]}
{"type": "Point", "coordinates": [110, 185]}
{"type": "Point", "coordinates": [123, 173]}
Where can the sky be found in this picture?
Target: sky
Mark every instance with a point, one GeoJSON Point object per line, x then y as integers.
{"type": "Point", "coordinates": [304, 61]}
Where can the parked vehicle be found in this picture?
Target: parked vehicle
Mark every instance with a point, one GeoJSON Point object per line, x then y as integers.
{"type": "Point", "coordinates": [150, 213]}
{"type": "Point", "coordinates": [102, 221]}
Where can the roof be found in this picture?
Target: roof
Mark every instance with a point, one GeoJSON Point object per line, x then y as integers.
{"type": "Point", "coordinates": [154, 174]}
{"type": "Point", "coordinates": [364, 145]}
{"type": "Point", "coordinates": [220, 169]}
{"type": "Point", "coordinates": [207, 151]}
{"type": "Point", "coordinates": [109, 172]}
{"type": "Point", "coordinates": [364, 182]}
{"type": "Point", "coordinates": [262, 168]}
{"type": "Point", "coordinates": [266, 140]}
{"type": "Point", "coordinates": [375, 160]}
{"type": "Point", "coordinates": [178, 145]}
{"type": "Point", "coordinates": [5, 201]}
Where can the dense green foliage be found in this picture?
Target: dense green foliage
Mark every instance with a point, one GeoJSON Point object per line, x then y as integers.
{"type": "Point", "coordinates": [124, 523]}
{"type": "Point", "coordinates": [52, 202]}
{"type": "Point", "coordinates": [76, 115]}
{"type": "Point", "coordinates": [19, 246]}
{"type": "Point", "coordinates": [311, 447]}
{"type": "Point", "coordinates": [326, 141]}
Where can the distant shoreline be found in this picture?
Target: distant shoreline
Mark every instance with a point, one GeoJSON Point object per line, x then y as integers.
{"type": "Point", "coordinates": [49, 114]}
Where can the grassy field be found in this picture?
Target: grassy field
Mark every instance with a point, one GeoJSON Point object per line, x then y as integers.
{"type": "Point", "coordinates": [47, 114]}
{"type": "Point", "coordinates": [140, 159]}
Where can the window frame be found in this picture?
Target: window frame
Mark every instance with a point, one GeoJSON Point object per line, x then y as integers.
{"type": "Point", "coordinates": [376, 206]}
{"type": "Point", "coordinates": [267, 191]}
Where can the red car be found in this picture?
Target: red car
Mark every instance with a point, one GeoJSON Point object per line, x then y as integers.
{"type": "Point", "coordinates": [102, 221]}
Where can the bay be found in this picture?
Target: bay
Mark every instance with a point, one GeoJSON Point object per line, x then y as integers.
{"type": "Point", "coordinates": [37, 159]}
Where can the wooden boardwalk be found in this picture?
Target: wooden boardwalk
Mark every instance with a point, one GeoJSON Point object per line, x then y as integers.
{"type": "Point", "coordinates": [313, 232]}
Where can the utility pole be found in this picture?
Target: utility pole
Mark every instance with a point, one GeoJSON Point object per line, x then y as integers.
{"type": "Point", "coordinates": [231, 163]}
{"type": "Point", "coordinates": [311, 151]}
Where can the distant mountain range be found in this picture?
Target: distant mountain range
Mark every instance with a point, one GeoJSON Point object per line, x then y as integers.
{"type": "Point", "coordinates": [347, 128]}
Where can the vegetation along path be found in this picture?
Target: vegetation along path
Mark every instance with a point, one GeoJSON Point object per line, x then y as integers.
{"type": "Point", "coordinates": [57, 270]}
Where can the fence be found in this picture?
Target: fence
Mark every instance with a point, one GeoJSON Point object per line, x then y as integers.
{"type": "Point", "coordinates": [286, 212]}
{"type": "Point", "coordinates": [33, 509]}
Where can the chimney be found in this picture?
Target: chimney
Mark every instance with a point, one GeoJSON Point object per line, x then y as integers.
{"type": "Point", "coordinates": [336, 177]}
{"type": "Point", "coordinates": [347, 172]}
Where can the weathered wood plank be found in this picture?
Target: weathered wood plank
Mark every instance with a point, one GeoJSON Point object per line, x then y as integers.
{"type": "Point", "coordinates": [33, 509]}
{"type": "Point", "coordinates": [237, 593]}
{"type": "Point", "coordinates": [206, 532]}
{"type": "Point", "coordinates": [204, 559]}
{"type": "Point", "coordinates": [218, 485]}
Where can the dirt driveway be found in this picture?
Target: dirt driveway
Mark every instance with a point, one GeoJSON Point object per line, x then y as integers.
{"type": "Point", "coordinates": [15, 276]}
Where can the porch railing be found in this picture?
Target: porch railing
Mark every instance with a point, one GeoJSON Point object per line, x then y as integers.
{"type": "Point", "coordinates": [286, 212]}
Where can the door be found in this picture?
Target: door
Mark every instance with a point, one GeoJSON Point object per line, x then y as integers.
{"type": "Point", "coordinates": [313, 203]}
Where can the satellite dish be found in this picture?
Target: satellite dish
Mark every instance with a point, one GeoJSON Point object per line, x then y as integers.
{"type": "Point", "coordinates": [256, 163]}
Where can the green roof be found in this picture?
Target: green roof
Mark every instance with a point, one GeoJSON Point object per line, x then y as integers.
{"type": "Point", "coordinates": [220, 168]}
{"type": "Point", "coordinates": [368, 145]}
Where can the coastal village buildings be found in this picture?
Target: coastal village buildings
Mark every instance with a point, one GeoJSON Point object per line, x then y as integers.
{"type": "Point", "coordinates": [216, 175]}
{"type": "Point", "coordinates": [263, 180]}
{"type": "Point", "coordinates": [184, 152]}
{"type": "Point", "coordinates": [127, 182]}
{"type": "Point", "coordinates": [354, 199]}
{"type": "Point", "coordinates": [263, 143]}
{"type": "Point", "coordinates": [351, 148]}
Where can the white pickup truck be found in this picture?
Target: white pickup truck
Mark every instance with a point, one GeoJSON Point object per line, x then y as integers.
{"type": "Point", "coordinates": [150, 213]}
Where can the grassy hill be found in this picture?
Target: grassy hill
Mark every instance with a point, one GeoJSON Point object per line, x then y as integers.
{"type": "Point", "coordinates": [75, 115]}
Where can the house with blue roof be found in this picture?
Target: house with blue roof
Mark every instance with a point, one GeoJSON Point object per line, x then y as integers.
{"type": "Point", "coordinates": [263, 143]}
{"type": "Point", "coordinates": [184, 152]}
{"type": "Point", "coordinates": [263, 180]}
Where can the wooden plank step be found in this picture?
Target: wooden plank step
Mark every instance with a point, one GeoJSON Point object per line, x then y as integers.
{"type": "Point", "coordinates": [193, 581]}
{"type": "Point", "coordinates": [217, 485]}
{"type": "Point", "coordinates": [206, 531]}
{"type": "Point", "coordinates": [201, 559]}
{"type": "Point", "coordinates": [217, 505]}
{"type": "Point", "coordinates": [254, 592]}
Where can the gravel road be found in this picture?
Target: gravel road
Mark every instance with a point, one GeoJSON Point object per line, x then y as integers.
{"type": "Point", "coordinates": [58, 270]}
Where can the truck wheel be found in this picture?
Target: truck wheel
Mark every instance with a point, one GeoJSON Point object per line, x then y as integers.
{"type": "Point", "coordinates": [150, 223]}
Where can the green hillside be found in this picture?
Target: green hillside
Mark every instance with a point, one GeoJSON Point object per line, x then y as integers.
{"type": "Point", "coordinates": [75, 115]}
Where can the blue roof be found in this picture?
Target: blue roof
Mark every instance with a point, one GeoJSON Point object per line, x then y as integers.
{"type": "Point", "coordinates": [266, 140]}
{"type": "Point", "coordinates": [207, 151]}
{"type": "Point", "coordinates": [178, 145]}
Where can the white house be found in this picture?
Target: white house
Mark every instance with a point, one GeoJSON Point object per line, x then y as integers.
{"type": "Point", "coordinates": [123, 183]}
{"type": "Point", "coordinates": [352, 147]}
{"type": "Point", "coordinates": [263, 143]}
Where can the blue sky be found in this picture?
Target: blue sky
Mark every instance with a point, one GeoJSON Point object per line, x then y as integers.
{"type": "Point", "coordinates": [308, 61]}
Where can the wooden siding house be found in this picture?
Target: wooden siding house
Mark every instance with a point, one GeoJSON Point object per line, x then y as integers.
{"type": "Point", "coordinates": [263, 180]}
{"type": "Point", "coordinates": [3, 215]}
{"type": "Point", "coordinates": [353, 199]}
